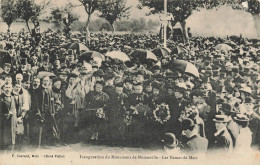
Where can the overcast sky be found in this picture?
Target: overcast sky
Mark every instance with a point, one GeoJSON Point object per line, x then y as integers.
{"type": "Point", "coordinates": [134, 12]}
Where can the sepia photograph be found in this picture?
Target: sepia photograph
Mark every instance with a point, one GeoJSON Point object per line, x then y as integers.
{"type": "Point", "coordinates": [129, 82]}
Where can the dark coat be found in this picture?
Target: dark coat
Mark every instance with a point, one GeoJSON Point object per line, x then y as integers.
{"type": "Point", "coordinates": [7, 125]}
{"type": "Point", "coordinates": [196, 144]}
{"type": "Point", "coordinates": [223, 141]}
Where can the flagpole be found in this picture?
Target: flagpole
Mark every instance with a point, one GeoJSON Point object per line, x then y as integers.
{"type": "Point", "coordinates": [165, 24]}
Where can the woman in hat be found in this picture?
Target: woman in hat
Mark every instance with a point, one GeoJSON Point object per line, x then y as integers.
{"type": "Point", "coordinates": [117, 107]}
{"type": "Point", "coordinates": [244, 139]}
{"type": "Point", "coordinates": [96, 103]}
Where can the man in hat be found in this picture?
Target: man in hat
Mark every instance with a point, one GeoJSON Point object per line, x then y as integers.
{"type": "Point", "coordinates": [7, 70]}
{"type": "Point", "coordinates": [46, 114]}
{"type": "Point", "coordinates": [193, 143]}
{"type": "Point", "coordinates": [7, 118]}
{"type": "Point", "coordinates": [128, 86]}
{"type": "Point", "coordinates": [222, 139]}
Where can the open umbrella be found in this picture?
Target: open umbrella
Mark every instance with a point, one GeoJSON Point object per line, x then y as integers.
{"type": "Point", "coordinates": [140, 54]}
{"type": "Point", "coordinates": [161, 52]}
{"type": "Point", "coordinates": [185, 66]}
{"type": "Point", "coordinates": [223, 47]}
{"type": "Point", "coordinates": [118, 55]}
{"type": "Point", "coordinates": [41, 74]}
{"type": "Point", "coordinates": [79, 47]}
{"type": "Point", "coordinates": [90, 55]}
{"type": "Point", "coordinates": [231, 43]}
{"type": "Point", "coordinates": [179, 50]}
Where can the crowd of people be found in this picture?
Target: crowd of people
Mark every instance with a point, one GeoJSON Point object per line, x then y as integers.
{"type": "Point", "coordinates": [51, 96]}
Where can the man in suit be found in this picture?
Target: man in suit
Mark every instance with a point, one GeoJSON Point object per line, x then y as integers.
{"type": "Point", "coordinates": [223, 141]}
{"type": "Point", "coordinates": [193, 142]}
{"type": "Point", "coordinates": [7, 118]}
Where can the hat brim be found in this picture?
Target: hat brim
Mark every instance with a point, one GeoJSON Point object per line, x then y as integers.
{"type": "Point", "coordinates": [243, 120]}
{"type": "Point", "coordinates": [223, 121]}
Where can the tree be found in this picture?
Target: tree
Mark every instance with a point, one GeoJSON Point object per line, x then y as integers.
{"type": "Point", "coordinates": [9, 12]}
{"type": "Point", "coordinates": [90, 6]}
{"type": "Point", "coordinates": [64, 17]}
{"type": "Point", "coordinates": [182, 9]}
{"type": "Point", "coordinates": [253, 7]}
{"type": "Point", "coordinates": [56, 17]}
{"type": "Point", "coordinates": [112, 10]}
{"type": "Point", "coordinates": [28, 10]}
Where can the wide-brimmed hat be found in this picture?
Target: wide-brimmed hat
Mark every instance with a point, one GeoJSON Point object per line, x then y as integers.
{"type": "Point", "coordinates": [221, 118]}
{"type": "Point", "coordinates": [241, 117]}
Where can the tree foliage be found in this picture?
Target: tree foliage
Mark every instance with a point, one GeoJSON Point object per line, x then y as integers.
{"type": "Point", "coordinates": [8, 11]}
{"type": "Point", "coordinates": [111, 10]}
{"type": "Point", "coordinates": [63, 18]}
{"type": "Point", "coordinates": [29, 10]}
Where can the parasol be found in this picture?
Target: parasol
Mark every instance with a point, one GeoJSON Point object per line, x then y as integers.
{"type": "Point", "coordinates": [161, 52]}
{"type": "Point", "coordinates": [118, 55]}
{"type": "Point", "coordinates": [143, 55]}
{"type": "Point", "coordinates": [79, 47]}
{"type": "Point", "coordinates": [223, 47]}
{"type": "Point", "coordinates": [90, 55]}
{"type": "Point", "coordinates": [41, 74]}
{"type": "Point", "coordinates": [179, 50]}
{"type": "Point", "coordinates": [185, 66]}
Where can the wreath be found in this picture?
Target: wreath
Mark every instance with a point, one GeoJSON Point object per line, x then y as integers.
{"type": "Point", "coordinates": [162, 113]}
{"type": "Point", "coordinates": [127, 118]}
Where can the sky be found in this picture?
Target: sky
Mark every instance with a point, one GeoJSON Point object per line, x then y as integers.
{"type": "Point", "coordinates": [134, 11]}
{"type": "Point", "coordinates": [222, 22]}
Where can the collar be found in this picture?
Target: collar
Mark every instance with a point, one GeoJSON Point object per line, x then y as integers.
{"type": "Point", "coordinates": [6, 95]}
{"type": "Point", "coordinates": [219, 131]}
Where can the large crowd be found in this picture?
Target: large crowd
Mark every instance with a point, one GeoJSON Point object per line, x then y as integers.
{"type": "Point", "coordinates": [191, 96]}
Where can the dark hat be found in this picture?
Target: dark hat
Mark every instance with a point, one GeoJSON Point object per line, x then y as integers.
{"type": "Point", "coordinates": [24, 61]}
{"type": "Point", "coordinates": [120, 84]}
{"type": "Point", "coordinates": [147, 83]}
{"type": "Point", "coordinates": [70, 52]}
{"type": "Point", "coordinates": [197, 93]}
{"type": "Point", "coordinates": [109, 76]}
{"type": "Point", "coordinates": [46, 57]}
{"type": "Point", "coordinates": [169, 140]}
{"type": "Point", "coordinates": [56, 80]}
{"type": "Point", "coordinates": [249, 100]}
{"type": "Point", "coordinates": [220, 101]}
{"type": "Point", "coordinates": [156, 85]}
{"type": "Point", "coordinates": [140, 72]}
{"type": "Point", "coordinates": [100, 83]}
{"type": "Point", "coordinates": [99, 72]}
{"type": "Point", "coordinates": [221, 118]}
{"type": "Point", "coordinates": [235, 69]}
{"type": "Point", "coordinates": [226, 108]}
{"type": "Point", "coordinates": [187, 124]}
{"type": "Point", "coordinates": [128, 80]}
{"type": "Point", "coordinates": [180, 87]}
{"type": "Point", "coordinates": [63, 65]}
{"type": "Point", "coordinates": [137, 83]}
{"type": "Point", "coordinates": [74, 75]}
{"type": "Point", "coordinates": [27, 77]}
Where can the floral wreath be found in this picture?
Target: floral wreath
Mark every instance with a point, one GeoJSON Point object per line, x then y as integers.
{"type": "Point", "coordinates": [158, 109]}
